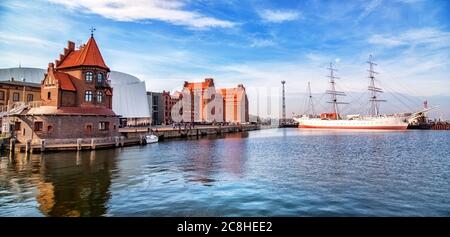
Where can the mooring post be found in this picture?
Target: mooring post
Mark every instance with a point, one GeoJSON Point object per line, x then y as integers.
{"type": "Point", "coordinates": [141, 139]}
{"type": "Point", "coordinates": [117, 140]}
{"type": "Point", "coordinates": [122, 140]}
{"type": "Point", "coordinates": [27, 145]}
{"type": "Point", "coordinates": [12, 146]}
{"type": "Point", "coordinates": [79, 146]}
{"type": "Point", "coordinates": [42, 144]}
{"type": "Point", "coordinates": [93, 143]}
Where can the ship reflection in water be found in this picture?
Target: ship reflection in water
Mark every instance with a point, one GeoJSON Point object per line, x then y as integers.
{"type": "Point", "coordinates": [277, 172]}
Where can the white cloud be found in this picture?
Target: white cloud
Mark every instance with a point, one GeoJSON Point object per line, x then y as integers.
{"type": "Point", "coordinates": [430, 37]}
{"type": "Point", "coordinates": [140, 10]}
{"type": "Point", "coordinates": [369, 9]}
{"type": "Point", "coordinates": [14, 39]}
{"type": "Point", "coordinates": [278, 16]}
{"type": "Point", "coordinates": [262, 43]}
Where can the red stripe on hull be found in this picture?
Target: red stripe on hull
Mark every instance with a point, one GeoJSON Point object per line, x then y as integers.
{"type": "Point", "coordinates": [357, 127]}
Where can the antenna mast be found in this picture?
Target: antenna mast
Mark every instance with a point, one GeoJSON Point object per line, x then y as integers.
{"type": "Point", "coordinates": [311, 104]}
{"type": "Point", "coordinates": [374, 107]}
{"type": "Point", "coordinates": [333, 92]}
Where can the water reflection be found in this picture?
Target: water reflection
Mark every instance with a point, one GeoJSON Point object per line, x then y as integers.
{"type": "Point", "coordinates": [262, 173]}
{"type": "Point", "coordinates": [65, 184]}
{"type": "Point", "coordinates": [212, 155]}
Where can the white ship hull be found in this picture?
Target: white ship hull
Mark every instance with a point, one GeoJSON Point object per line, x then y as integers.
{"type": "Point", "coordinates": [376, 123]}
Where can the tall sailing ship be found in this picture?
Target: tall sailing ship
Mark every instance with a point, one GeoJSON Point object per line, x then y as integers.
{"type": "Point", "coordinates": [335, 120]}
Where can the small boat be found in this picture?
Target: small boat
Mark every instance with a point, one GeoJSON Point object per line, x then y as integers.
{"type": "Point", "coordinates": [151, 139]}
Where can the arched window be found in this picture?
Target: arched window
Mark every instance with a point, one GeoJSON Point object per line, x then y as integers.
{"type": "Point", "coordinates": [100, 78]}
{"type": "Point", "coordinates": [88, 96]}
{"type": "Point", "coordinates": [99, 96]}
{"type": "Point", "coordinates": [88, 76]}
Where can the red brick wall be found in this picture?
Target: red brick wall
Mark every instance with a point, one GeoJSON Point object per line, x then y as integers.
{"type": "Point", "coordinates": [54, 93]}
{"type": "Point", "coordinates": [63, 127]}
{"type": "Point", "coordinates": [68, 98]}
{"type": "Point", "coordinates": [82, 86]}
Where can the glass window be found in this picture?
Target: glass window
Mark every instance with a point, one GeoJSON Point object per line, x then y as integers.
{"type": "Point", "coordinates": [103, 126]}
{"type": "Point", "coordinates": [2, 95]}
{"type": "Point", "coordinates": [30, 97]}
{"type": "Point", "coordinates": [38, 126]}
{"type": "Point", "coordinates": [88, 96]}
{"type": "Point", "coordinates": [16, 96]}
{"type": "Point", "coordinates": [88, 76]}
{"type": "Point", "coordinates": [99, 96]}
{"type": "Point", "coordinates": [100, 78]}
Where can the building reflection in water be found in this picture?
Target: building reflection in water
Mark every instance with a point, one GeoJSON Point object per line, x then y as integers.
{"type": "Point", "coordinates": [66, 184]}
{"type": "Point", "coordinates": [221, 152]}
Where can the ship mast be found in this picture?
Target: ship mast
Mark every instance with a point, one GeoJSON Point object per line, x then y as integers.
{"type": "Point", "coordinates": [333, 92]}
{"type": "Point", "coordinates": [375, 107]}
{"type": "Point", "coordinates": [310, 102]}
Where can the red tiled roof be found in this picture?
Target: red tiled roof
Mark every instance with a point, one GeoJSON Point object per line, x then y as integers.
{"type": "Point", "coordinates": [65, 82]}
{"type": "Point", "coordinates": [88, 55]}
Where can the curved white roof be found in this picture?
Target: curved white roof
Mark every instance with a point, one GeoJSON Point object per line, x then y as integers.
{"type": "Point", "coordinates": [19, 73]}
{"type": "Point", "coordinates": [129, 93]}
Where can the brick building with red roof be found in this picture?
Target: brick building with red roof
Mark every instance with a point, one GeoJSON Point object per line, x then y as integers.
{"type": "Point", "coordinates": [76, 99]}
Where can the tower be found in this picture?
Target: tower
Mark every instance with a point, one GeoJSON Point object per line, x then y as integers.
{"type": "Point", "coordinates": [283, 104]}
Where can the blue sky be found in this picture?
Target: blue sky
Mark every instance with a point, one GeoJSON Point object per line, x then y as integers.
{"type": "Point", "coordinates": [257, 43]}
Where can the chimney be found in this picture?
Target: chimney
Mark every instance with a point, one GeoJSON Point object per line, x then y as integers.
{"type": "Point", "coordinates": [209, 81]}
{"type": "Point", "coordinates": [70, 45]}
{"type": "Point", "coordinates": [51, 67]}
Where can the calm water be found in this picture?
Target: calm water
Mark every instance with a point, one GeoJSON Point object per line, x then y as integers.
{"type": "Point", "coordinates": [276, 172]}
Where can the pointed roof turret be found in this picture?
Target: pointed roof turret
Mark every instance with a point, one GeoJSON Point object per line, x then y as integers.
{"type": "Point", "coordinates": [88, 55]}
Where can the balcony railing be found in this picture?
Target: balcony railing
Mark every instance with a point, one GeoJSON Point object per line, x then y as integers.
{"type": "Point", "coordinates": [103, 84]}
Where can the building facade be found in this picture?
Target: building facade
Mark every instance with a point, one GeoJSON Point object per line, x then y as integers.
{"type": "Point", "coordinates": [156, 107]}
{"type": "Point", "coordinates": [13, 91]}
{"type": "Point", "coordinates": [76, 99]}
{"type": "Point", "coordinates": [207, 104]}
{"type": "Point", "coordinates": [169, 102]}
{"type": "Point", "coordinates": [201, 94]}
{"type": "Point", "coordinates": [129, 101]}
{"type": "Point", "coordinates": [235, 104]}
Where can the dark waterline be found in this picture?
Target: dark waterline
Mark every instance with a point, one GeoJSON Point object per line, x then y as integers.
{"type": "Point", "coordinates": [276, 172]}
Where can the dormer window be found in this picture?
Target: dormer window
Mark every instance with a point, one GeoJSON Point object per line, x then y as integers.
{"type": "Point", "coordinates": [88, 76]}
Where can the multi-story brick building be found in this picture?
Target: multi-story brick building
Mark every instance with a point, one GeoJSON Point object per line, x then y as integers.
{"type": "Point", "coordinates": [235, 104]}
{"type": "Point", "coordinates": [169, 101]}
{"type": "Point", "coordinates": [208, 104]}
{"type": "Point", "coordinates": [201, 94]}
{"type": "Point", "coordinates": [76, 99]}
